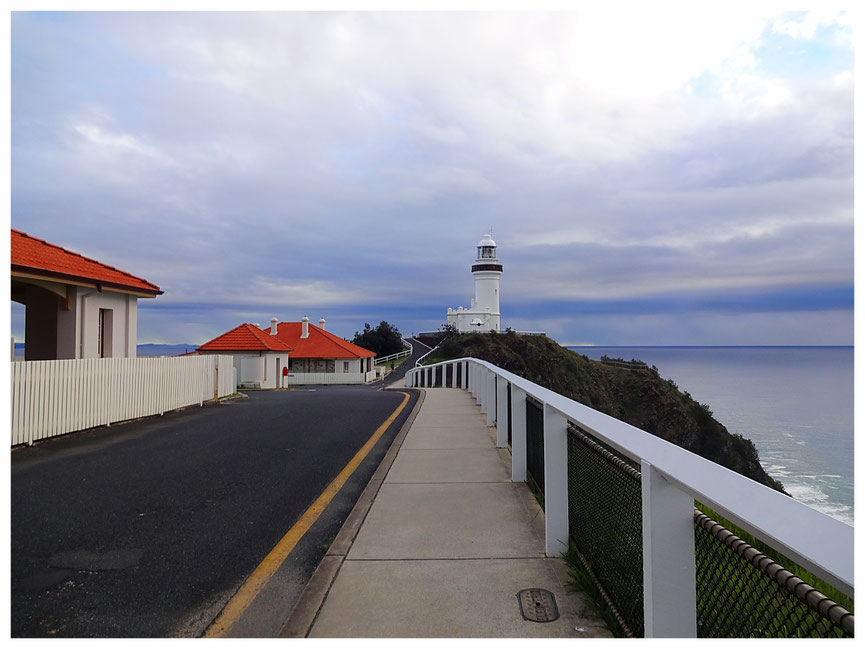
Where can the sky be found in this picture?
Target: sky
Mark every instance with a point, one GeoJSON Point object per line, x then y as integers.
{"type": "Point", "coordinates": [651, 177]}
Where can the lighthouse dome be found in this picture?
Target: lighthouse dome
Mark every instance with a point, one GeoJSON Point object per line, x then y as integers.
{"type": "Point", "coordinates": [487, 241]}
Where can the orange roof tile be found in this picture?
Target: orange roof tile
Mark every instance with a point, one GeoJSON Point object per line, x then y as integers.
{"type": "Point", "coordinates": [319, 343]}
{"type": "Point", "coordinates": [245, 338]}
{"type": "Point", "coordinates": [37, 257]}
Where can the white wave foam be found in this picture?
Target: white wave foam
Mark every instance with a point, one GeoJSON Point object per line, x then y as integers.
{"type": "Point", "coordinates": [815, 497]}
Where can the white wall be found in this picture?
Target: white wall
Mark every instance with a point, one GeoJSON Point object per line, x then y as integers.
{"type": "Point", "coordinates": [462, 320]}
{"type": "Point", "coordinates": [264, 368]}
{"type": "Point", "coordinates": [487, 291]}
{"type": "Point", "coordinates": [124, 322]}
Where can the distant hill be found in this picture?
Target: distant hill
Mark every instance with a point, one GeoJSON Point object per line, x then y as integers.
{"type": "Point", "coordinates": [153, 349]}
{"type": "Point", "coordinates": [641, 398]}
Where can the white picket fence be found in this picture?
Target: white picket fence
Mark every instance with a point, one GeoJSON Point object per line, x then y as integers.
{"type": "Point", "coordinates": [329, 378]}
{"type": "Point", "coordinates": [51, 398]}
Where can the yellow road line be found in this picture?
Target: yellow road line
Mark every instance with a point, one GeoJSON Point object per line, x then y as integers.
{"type": "Point", "coordinates": [271, 563]}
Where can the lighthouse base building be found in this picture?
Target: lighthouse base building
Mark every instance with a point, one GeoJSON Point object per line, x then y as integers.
{"type": "Point", "coordinates": [483, 315]}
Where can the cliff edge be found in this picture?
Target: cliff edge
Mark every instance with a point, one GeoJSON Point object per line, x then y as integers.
{"type": "Point", "coordinates": [639, 397]}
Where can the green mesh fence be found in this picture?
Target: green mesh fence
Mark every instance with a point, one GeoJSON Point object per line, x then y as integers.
{"type": "Point", "coordinates": [741, 592]}
{"type": "Point", "coordinates": [510, 423]}
{"type": "Point", "coordinates": [605, 524]}
{"type": "Point", "coordinates": [535, 442]}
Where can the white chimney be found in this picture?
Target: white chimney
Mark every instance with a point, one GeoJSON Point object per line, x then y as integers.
{"type": "Point", "coordinates": [321, 323]}
{"type": "Point", "coordinates": [304, 327]}
{"type": "Point", "coordinates": [273, 322]}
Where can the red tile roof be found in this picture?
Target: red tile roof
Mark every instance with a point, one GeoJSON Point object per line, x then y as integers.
{"type": "Point", "coordinates": [319, 343]}
{"type": "Point", "coordinates": [245, 338]}
{"type": "Point", "coordinates": [34, 256]}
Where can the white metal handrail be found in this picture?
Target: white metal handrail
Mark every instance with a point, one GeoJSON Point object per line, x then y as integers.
{"type": "Point", "coordinates": [419, 362]}
{"type": "Point", "coordinates": [405, 352]}
{"type": "Point", "coordinates": [672, 479]}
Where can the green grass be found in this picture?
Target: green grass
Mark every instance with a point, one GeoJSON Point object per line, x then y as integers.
{"type": "Point", "coordinates": [581, 581]}
{"type": "Point", "coordinates": [535, 492]}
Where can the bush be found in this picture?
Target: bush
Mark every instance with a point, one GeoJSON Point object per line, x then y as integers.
{"type": "Point", "coordinates": [384, 340]}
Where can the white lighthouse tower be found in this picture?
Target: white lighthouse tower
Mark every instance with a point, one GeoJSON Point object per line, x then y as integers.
{"type": "Point", "coordinates": [484, 314]}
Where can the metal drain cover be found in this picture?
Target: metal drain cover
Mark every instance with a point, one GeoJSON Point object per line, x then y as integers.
{"type": "Point", "coordinates": [538, 605]}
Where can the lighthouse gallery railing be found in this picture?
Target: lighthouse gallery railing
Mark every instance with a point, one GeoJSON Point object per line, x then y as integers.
{"type": "Point", "coordinates": [626, 500]}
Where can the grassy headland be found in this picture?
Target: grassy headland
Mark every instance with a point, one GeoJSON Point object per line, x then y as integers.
{"type": "Point", "coordinates": [641, 398]}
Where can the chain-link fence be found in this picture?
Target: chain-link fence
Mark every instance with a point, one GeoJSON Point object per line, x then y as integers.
{"type": "Point", "coordinates": [605, 524]}
{"type": "Point", "coordinates": [496, 380]}
{"type": "Point", "coordinates": [535, 442]}
{"type": "Point", "coordinates": [510, 423]}
{"type": "Point", "coordinates": [741, 592]}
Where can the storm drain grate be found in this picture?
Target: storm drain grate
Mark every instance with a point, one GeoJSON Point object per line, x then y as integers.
{"type": "Point", "coordinates": [538, 605]}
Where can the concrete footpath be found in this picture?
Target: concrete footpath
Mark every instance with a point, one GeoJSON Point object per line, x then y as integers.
{"type": "Point", "coordinates": [440, 543]}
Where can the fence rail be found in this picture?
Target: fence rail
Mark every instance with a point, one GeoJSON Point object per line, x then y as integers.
{"type": "Point", "coordinates": [626, 499]}
{"type": "Point", "coordinates": [51, 398]}
{"type": "Point", "coordinates": [329, 378]}
{"type": "Point", "coordinates": [406, 352]}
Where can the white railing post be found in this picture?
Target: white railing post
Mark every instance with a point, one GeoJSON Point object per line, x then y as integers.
{"type": "Point", "coordinates": [669, 572]}
{"type": "Point", "coordinates": [491, 398]}
{"type": "Point", "coordinates": [555, 481]}
{"type": "Point", "coordinates": [482, 389]}
{"type": "Point", "coordinates": [473, 380]}
{"type": "Point", "coordinates": [465, 375]}
{"type": "Point", "coordinates": [518, 434]}
{"type": "Point", "coordinates": [501, 412]}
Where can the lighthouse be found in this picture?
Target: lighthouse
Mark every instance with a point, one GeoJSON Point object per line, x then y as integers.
{"type": "Point", "coordinates": [484, 314]}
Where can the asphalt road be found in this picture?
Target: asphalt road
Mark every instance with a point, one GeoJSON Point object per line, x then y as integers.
{"type": "Point", "coordinates": [146, 529]}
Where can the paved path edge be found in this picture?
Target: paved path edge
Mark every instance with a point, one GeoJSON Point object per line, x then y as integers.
{"type": "Point", "coordinates": [305, 611]}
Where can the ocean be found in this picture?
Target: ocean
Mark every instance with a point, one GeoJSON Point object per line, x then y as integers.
{"type": "Point", "coordinates": [794, 403]}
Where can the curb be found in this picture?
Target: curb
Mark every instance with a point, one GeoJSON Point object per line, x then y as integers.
{"type": "Point", "coordinates": [305, 612]}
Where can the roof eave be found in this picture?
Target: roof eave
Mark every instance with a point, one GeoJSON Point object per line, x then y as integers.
{"type": "Point", "coordinates": [20, 270]}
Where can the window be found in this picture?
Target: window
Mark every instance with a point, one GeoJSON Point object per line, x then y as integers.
{"type": "Point", "coordinates": [345, 366]}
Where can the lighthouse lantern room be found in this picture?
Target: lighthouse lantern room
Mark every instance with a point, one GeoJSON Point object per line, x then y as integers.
{"type": "Point", "coordinates": [484, 314]}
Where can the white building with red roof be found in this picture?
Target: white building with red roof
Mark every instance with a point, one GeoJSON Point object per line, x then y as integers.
{"type": "Point", "coordinates": [76, 307]}
{"type": "Point", "coordinates": [292, 353]}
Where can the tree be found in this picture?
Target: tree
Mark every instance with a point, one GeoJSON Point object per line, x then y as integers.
{"type": "Point", "coordinates": [384, 340]}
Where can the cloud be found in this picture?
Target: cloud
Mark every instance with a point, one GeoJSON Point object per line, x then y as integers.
{"type": "Point", "coordinates": [804, 25]}
{"type": "Point", "coordinates": [352, 160]}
